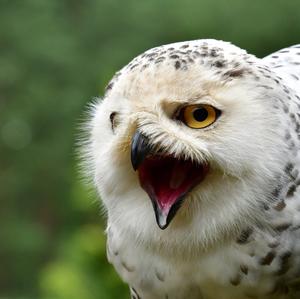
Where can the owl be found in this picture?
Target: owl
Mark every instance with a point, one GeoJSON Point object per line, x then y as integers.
{"type": "Point", "coordinates": [194, 152]}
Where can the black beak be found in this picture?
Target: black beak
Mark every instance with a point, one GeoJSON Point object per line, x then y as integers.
{"type": "Point", "coordinates": [139, 149]}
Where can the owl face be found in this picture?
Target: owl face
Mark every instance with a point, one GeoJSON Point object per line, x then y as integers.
{"type": "Point", "coordinates": [191, 131]}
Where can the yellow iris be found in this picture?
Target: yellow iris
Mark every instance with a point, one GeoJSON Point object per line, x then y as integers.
{"type": "Point", "coordinates": [199, 116]}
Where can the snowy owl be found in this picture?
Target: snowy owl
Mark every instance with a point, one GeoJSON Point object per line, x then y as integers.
{"type": "Point", "coordinates": [194, 152]}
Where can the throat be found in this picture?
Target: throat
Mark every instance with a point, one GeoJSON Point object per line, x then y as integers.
{"type": "Point", "coordinates": [168, 180]}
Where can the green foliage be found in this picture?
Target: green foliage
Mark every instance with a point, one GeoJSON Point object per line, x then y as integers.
{"type": "Point", "coordinates": [55, 56]}
{"type": "Point", "coordinates": [82, 270]}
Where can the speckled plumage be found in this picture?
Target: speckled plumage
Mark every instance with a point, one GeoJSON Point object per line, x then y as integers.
{"type": "Point", "coordinates": [237, 234]}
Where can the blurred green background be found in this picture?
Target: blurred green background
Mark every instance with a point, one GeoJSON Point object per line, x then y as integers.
{"type": "Point", "coordinates": [55, 56]}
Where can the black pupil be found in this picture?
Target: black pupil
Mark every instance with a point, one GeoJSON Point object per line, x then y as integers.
{"type": "Point", "coordinates": [200, 114]}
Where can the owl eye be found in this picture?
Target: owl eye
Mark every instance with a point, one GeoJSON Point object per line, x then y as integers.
{"type": "Point", "coordinates": [199, 116]}
{"type": "Point", "coordinates": [114, 120]}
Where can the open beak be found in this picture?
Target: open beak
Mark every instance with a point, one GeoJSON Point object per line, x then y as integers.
{"type": "Point", "coordinates": [166, 179]}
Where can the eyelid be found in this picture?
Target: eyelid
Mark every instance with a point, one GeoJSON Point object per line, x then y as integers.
{"type": "Point", "coordinates": [206, 102]}
{"type": "Point", "coordinates": [199, 102]}
{"type": "Point", "coordinates": [183, 105]}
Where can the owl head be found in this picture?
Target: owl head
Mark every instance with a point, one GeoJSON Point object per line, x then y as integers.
{"type": "Point", "coordinates": [186, 143]}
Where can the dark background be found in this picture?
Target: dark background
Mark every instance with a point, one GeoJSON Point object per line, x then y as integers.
{"type": "Point", "coordinates": [55, 56]}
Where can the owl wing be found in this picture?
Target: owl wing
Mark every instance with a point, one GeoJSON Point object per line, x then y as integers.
{"type": "Point", "coordinates": [286, 63]}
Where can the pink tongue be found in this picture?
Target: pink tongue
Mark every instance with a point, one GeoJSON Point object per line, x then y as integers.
{"type": "Point", "coordinates": [170, 184]}
{"type": "Point", "coordinates": [167, 179]}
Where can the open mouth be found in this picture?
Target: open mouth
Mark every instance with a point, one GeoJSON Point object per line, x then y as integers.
{"type": "Point", "coordinates": [166, 179]}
